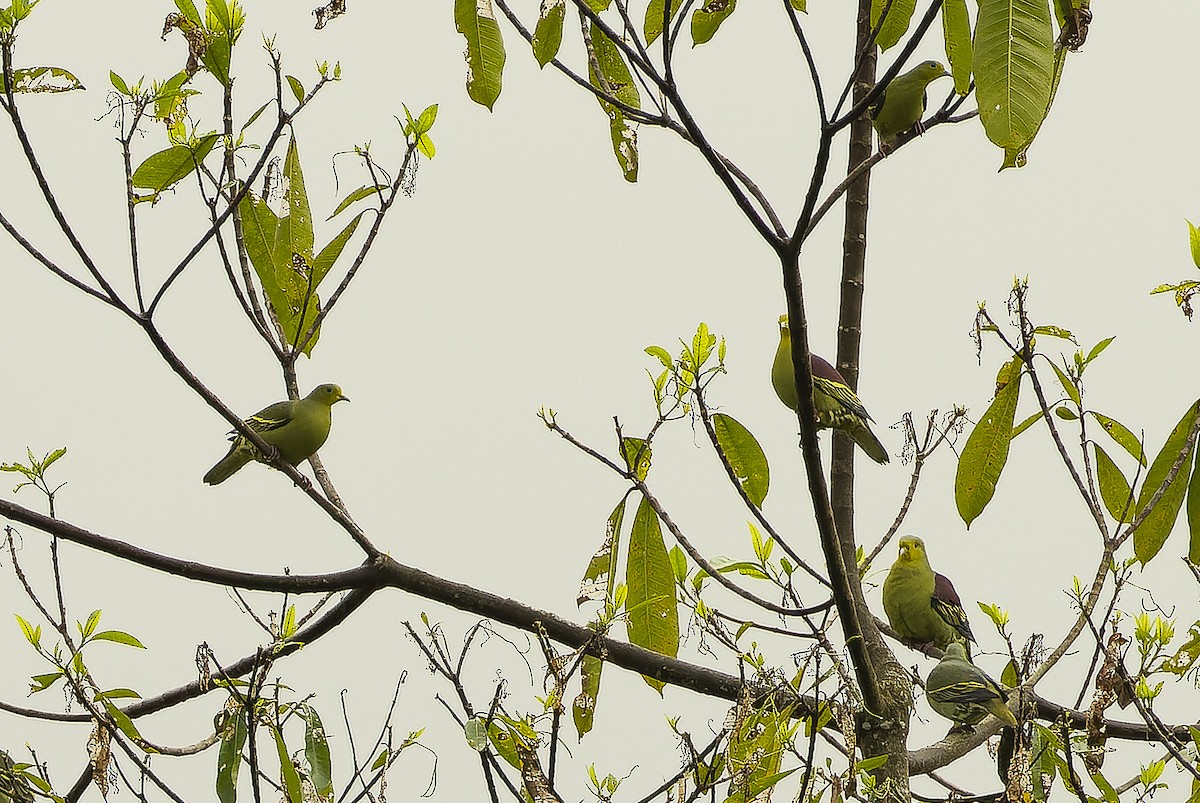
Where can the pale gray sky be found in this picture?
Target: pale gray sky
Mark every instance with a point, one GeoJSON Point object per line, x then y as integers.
{"type": "Point", "coordinates": [526, 272]}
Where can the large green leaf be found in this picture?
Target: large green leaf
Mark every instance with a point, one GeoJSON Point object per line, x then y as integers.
{"type": "Point", "coordinates": [652, 614]}
{"type": "Point", "coordinates": [956, 26]}
{"type": "Point", "coordinates": [316, 753]}
{"type": "Point", "coordinates": [232, 731]}
{"type": "Point", "coordinates": [287, 770]}
{"type": "Point", "coordinates": [1122, 435]}
{"type": "Point", "coordinates": [745, 457]}
{"type": "Point", "coordinates": [615, 79]}
{"type": "Point", "coordinates": [1114, 489]}
{"type": "Point", "coordinates": [476, 20]}
{"type": "Point", "coordinates": [896, 24]}
{"type": "Point", "coordinates": [1014, 70]}
{"type": "Point", "coordinates": [1152, 533]}
{"type": "Point", "coordinates": [986, 451]}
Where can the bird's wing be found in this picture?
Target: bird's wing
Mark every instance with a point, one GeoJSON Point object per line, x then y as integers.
{"type": "Point", "coordinates": [947, 605]}
{"type": "Point", "coordinates": [877, 106]}
{"type": "Point", "coordinates": [844, 395]}
{"type": "Point", "coordinates": [268, 419]}
{"type": "Point", "coordinates": [965, 691]}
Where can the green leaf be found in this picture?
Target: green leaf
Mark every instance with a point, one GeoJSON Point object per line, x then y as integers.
{"type": "Point", "coordinates": [124, 723]}
{"type": "Point", "coordinates": [476, 20]}
{"type": "Point", "coordinates": [1097, 349]}
{"type": "Point", "coordinates": [43, 682]}
{"type": "Point", "coordinates": [475, 732]}
{"type": "Point", "coordinates": [707, 19]}
{"type": "Point", "coordinates": [653, 25]}
{"type": "Point", "coordinates": [1194, 241]}
{"type": "Point", "coordinates": [547, 35]}
{"type": "Point", "coordinates": [652, 619]}
{"type": "Point", "coordinates": [1193, 514]}
{"type": "Point", "coordinates": [615, 79]}
{"type": "Point", "coordinates": [43, 80]}
{"type": "Point", "coordinates": [504, 741]}
{"type": "Point", "coordinates": [32, 634]}
{"type": "Point", "coordinates": [1152, 533]}
{"type": "Point", "coordinates": [287, 770]}
{"type": "Point", "coordinates": [583, 709]}
{"type": "Point", "coordinates": [1014, 70]}
{"type": "Point", "coordinates": [1114, 489]}
{"type": "Point", "coordinates": [365, 191]}
{"type": "Point", "coordinates": [89, 627]}
{"type": "Point", "coordinates": [297, 88]}
{"type": "Point", "coordinates": [956, 26]}
{"type": "Point", "coordinates": [1009, 675]}
{"type": "Point", "coordinates": [745, 456]}
{"type": "Point", "coordinates": [167, 168]}
{"type": "Point", "coordinates": [316, 753]}
{"type": "Point", "coordinates": [898, 18]}
{"type": "Point", "coordinates": [637, 451]}
{"type": "Point", "coordinates": [119, 84]}
{"type": "Point", "coordinates": [600, 574]}
{"type": "Point", "coordinates": [332, 250]}
{"type": "Point", "coordinates": [1121, 434]}
{"type": "Point", "coordinates": [985, 453]}
{"type": "Point", "coordinates": [119, 694]}
{"type": "Point", "coordinates": [229, 756]}
{"type": "Point", "coordinates": [1026, 424]}
{"type": "Point", "coordinates": [1067, 384]}
{"type": "Point", "coordinates": [119, 637]}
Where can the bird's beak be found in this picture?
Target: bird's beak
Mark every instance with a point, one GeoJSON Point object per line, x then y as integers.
{"type": "Point", "coordinates": [343, 398]}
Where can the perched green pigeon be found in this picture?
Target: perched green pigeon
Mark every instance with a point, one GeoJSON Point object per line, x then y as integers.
{"type": "Point", "coordinates": [963, 693]}
{"type": "Point", "coordinates": [836, 404]}
{"type": "Point", "coordinates": [902, 103]}
{"type": "Point", "coordinates": [295, 428]}
{"type": "Point", "coordinates": [13, 786]}
{"type": "Point", "coordinates": [922, 605]}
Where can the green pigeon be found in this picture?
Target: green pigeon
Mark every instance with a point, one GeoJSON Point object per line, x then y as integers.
{"type": "Point", "coordinates": [296, 429]}
{"type": "Point", "coordinates": [963, 693]}
{"type": "Point", "coordinates": [922, 605]}
{"type": "Point", "coordinates": [902, 103]}
{"type": "Point", "coordinates": [837, 405]}
{"type": "Point", "coordinates": [14, 788]}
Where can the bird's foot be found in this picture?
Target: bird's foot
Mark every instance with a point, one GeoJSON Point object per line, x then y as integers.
{"type": "Point", "coordinates": [272, 454]}
{"type": "Point", "coordinates": [885, 150]}
{"type": "Point", "coordinates": [961, 728]}
{"type": "Point", "coordinates": [304, 482]}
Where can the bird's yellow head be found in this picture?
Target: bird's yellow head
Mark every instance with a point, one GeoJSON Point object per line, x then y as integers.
{"type": "Point", "coordinates": [912, 549]}
{"type": "Point", "coordinates": [930, 70]}
{"type": "Point", "coordinates": [328, 394]}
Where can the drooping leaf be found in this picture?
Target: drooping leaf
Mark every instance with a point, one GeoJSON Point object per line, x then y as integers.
{"type": "Point", "coordinates": [365, 191]}
{"type": "Point", "coordinates": [583, 709]}
{"type": "Point", "coordinates": [1114, 489]}
{"type": "Point", "coordinates": [652, 613]}
{"type": "Point", "coordinates": [745, 457]}
{"type": "Point", "coordinates": [287, 770]}
{"type": "Point", "coordinates": [316, 753]}
{"type": "Point", "coordinates": [547, 35]}
{"type": "Point", "coordinates": [637, 454]}
{"type": "Point", "coordinates": [899, 16]}
{"type": "Point", "coordinates": [332, 250]}
{"type": "Point", "coordinates": [985, 453]}
{"type": "Point", "coordinates": [956, 27]}
{"type": "Point", "coordinates": [653, 25]}
{"type": "Point", "coordinates": [476, 20]}
{"type": "Point", "coordinates": [229, 756]}
{"type": "Point", "coordinates": [1193, 513]}
{"type": "Point", "coordinates": [707, 19]}
{"type": "Point", "coordinates": [600, 575]}
{"type": "Point", "coordinates": [1014, 71]}
{"type": "Point", "coordinates": [615, 79]}
{"type": "Point", "coordinates": [1122, 435]}
{"type": "Point", "coordinates": [1152, 533]}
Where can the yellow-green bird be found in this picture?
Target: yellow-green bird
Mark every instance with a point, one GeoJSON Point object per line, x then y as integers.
{"type": "Point", "coordinates": [963, 693]}
{"type": "Point", "coordinates": [922, 605]}
{"type": "Point", "coordinates": [14, 788]}
{"type": "Point", "coordinates": [902, 103]}
{"type": "Point", "coordinates": [836, 404]}
{"type": "Point", "coordinates": [296, 429]}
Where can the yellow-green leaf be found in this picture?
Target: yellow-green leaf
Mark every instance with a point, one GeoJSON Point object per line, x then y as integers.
{"type": "Point", "coordinates": [707, 19]}
{"type": "Point", "coordinates": [547, 34]}
{"type": "Point", "coordinates": [653, 25]}
{"type": "Point", "coordinates": [985, 453]}
{"type": "Point", "coordinates": [1122, 435]}
{"type": "Point", "coordinates": [1152, 533]}
{"type": "Point", "coordinates": [652, 614]}
{"type": "Point", "coordinates": [1014, 72]}
{"type": "Point", "coordinates": [583, 709]}
{"type": "Point", "coordinates": [1193, 514]}
{"type": "Point", "coordinates": [745, 457]}
{"type": "Point", "coordinates": [476, 20]}
{"type": "Point", "coordinates": [896, 24]}
{"type": "Point", "coordinates": [600, 575]}
{"type": "Point", "coordinates": [1114, 489]}
{"type": "Point", "coordinates": [956, 26]}
{"type": "Point", "coordinates": [615, 79]}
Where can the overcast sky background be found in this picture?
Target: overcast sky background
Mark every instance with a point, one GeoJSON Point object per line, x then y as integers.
{"type": "Point", "coordinates": [526, 272]}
